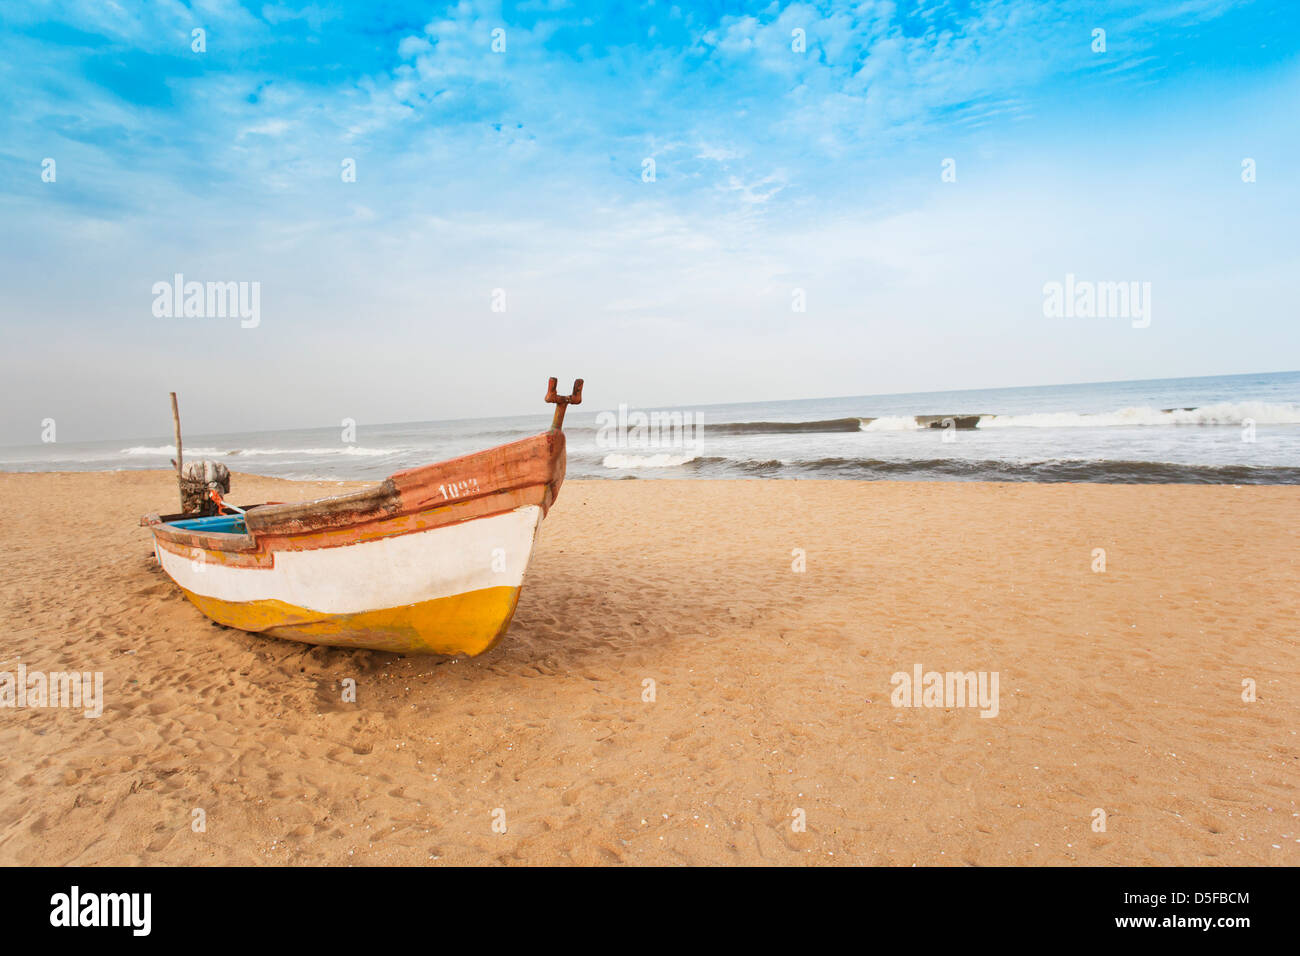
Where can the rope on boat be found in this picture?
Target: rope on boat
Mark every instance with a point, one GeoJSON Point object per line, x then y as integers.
{"type": "Point", "coordinates": [222, 503]}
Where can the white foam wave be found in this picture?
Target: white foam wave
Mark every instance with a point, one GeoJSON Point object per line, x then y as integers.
{"type": "Point", "coordinates": [170, 451]}
{"type": "Point", "coordinates": [897, 423]}
{"type": "Point", "coordinates": [661, 460]}
{"type": "Point", "coordinates": [1224, 413]}
{"type": "Point", "coordinates": [341, 450]}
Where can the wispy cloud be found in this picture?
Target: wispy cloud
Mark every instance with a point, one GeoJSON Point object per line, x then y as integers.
{"type": "Point", "coordinates": [793, 143]}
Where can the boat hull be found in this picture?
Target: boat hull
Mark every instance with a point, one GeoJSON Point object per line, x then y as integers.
{"type": "Point", "coordinates": [430, 562]}
{"type": "Point", "coordinates": [463, 624]}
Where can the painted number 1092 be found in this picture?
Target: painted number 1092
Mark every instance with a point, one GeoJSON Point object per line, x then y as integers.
{"type": "Point", "coordinates": [458, 488]}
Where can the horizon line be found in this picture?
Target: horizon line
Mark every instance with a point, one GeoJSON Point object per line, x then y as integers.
{"type": "Point", "coordinates": [823, 398]}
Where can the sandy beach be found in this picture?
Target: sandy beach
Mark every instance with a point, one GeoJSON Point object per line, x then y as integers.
{"type": "Point", "coordinates": [1120, 690]}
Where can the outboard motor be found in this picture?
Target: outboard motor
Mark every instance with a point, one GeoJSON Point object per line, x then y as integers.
{"type": "Point", "coordinates": [198, 482]}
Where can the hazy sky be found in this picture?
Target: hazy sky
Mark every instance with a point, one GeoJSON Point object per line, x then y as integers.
{"type": "Point", "coordinates": [525, 170]}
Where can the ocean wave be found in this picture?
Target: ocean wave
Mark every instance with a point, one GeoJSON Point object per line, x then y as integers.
{"type": "Point", "coordinates": [166, 450]}
{"type": "Point", "coordinates": [785, 428]}
{"type": "Point", "coordinates": [769, 468]}
{"type": "Point", "coordinates": [169, 451]}
{"type": "Point", "coordinates": [889, 423]}
{"type": "Point", "coordinates": [663, 460]}
{"type": "Point", "coordinates": [1224, 413]}
{"type": "Point", "coordinates": [1047, 470]}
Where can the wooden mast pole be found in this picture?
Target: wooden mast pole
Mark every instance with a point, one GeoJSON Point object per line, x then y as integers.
{"type": "Point", "coordinates": [179, 461]}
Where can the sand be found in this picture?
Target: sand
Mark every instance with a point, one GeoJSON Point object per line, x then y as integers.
{"type": "Point", "coordinates": [1119, 691]}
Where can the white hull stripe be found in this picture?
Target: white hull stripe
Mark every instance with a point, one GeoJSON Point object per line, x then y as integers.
{"type": "Point", "coordinates": [376, 575]}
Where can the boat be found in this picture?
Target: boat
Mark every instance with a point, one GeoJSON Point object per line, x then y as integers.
{"type": "Point", "coordinates": [429, 561]}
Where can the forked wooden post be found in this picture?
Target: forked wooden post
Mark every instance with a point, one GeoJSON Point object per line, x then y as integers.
{"type": "Point", "coordinates": [179, 461]}
{"type": "Point", "coordinates": [562, 402]}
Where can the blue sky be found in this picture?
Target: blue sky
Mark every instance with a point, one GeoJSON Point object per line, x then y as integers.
{"type": "Point", "coordinates": [522, 170]}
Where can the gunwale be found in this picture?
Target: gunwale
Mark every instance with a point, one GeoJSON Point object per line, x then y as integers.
{"type": "Point", "coordinates": [525, 472]}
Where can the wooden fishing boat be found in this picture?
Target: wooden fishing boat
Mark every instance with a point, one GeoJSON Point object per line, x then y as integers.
{"type": "Point", "coordinates": [429, 561]}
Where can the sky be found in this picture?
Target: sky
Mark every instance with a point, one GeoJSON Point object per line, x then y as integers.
{"type": "Point", "coordinates": [643, 195]}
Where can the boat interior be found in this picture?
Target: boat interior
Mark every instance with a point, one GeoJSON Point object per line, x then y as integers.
{"type": "Point", "coordinates": [220, 524]}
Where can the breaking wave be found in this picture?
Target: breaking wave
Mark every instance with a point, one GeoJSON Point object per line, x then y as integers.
{"type": "Point", "coordinates": [170, 450]}
{"type": "Point", "coordinates": [1226, 413]}
{"type": "Point", "coordinates": [1087, 470]}
{"type": "Point", "coordinates": [1046, 470]}
{"type": "Point", "coordinates": [895, 423]}
{"type": "Point", "coordinates": [784, 428]}
{"type": "Point", "coordinates": [662, 460]}
{"type": "Point", "coordinates": [1051, 470]}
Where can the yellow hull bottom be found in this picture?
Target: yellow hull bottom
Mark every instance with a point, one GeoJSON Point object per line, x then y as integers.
{"type": "Point", "coordinates": [462, 624]}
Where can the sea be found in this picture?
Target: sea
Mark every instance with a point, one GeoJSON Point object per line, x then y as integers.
{"type": "Point", "coordinates": [1231, 429]}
